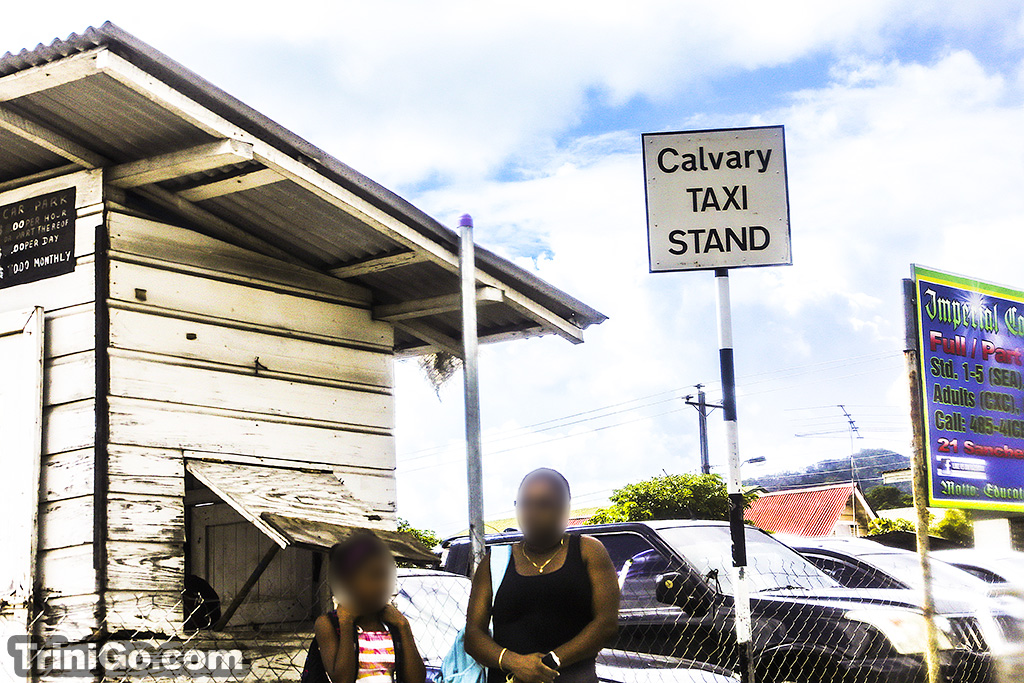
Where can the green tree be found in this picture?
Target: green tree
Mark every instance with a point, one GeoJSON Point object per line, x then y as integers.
{"type": "Point", "coordinates": [673, 496]}
{"type": "Point", "coordinates": [955, 526]}
{"type": "Point", "coordinates": [425, 536]}
{"type": "Point", "coordinates": [888, 498]}
{"type": "Point", "coordinates": [883, 525]}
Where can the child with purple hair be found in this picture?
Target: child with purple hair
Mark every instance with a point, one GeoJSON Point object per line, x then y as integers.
{"type": "Point", "coordinates": [365, 639]}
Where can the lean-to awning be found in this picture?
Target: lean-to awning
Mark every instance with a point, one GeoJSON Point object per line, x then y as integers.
{"type": "Point", "coordinates": [300, 507]}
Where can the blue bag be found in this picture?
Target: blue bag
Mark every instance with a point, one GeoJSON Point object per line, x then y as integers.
{"type": "Point", "coordinates": [458, 666]}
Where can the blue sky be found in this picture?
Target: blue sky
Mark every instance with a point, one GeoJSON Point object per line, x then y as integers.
{"type": "Point", "coordinates": [903, 123]}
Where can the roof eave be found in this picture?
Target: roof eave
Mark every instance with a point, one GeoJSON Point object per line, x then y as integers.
{"type": "Point", "coordinates": [237, 112]}
{"type": "Point", "coordinates": [189, 84]}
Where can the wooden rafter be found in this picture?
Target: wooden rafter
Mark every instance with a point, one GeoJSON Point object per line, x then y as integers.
{"type": "Point", "coordinates": [181, 163]}
{"type": "Point", "coordinates": [239, 183]}
{"type": "Point", "coordinates": [426, 347]}
{"type": "Point", "coordinates": [214, 225]}
{"type": "Point", "coordinates": [49, 140]}
{"type": "Point", "coordinates": [378, 264]}
{"type": "Point", "coordinates": [431, 336]}
{"type": "Point", "coordinates": [421, 308]}
{"type": "Point", "coordinates": [51, 75]}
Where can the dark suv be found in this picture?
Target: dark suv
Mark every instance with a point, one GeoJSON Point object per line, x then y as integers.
{"type": "Point", "coordinates": [677, 600]}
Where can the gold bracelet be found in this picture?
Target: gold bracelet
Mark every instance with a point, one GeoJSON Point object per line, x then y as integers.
{"type": "Point", "coordinates": [503, 651]}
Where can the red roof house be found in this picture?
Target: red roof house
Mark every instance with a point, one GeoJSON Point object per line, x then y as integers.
{"type": "Point", "coordinates": [829, 510]}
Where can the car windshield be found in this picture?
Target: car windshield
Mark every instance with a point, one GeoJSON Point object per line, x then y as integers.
{"type": "Point", "coordinates": [771, 565]}
{"type": "Point", "coordinates": [435, 605]}
{"type": "Point", "coordinates": [907, 568]}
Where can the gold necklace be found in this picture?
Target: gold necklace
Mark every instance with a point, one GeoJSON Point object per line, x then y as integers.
{"type": "Point", "coordinates": [540, 567]}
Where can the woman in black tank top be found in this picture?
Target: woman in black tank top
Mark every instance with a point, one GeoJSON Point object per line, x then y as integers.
{"type": "Point", "coordinates": [558, 601]}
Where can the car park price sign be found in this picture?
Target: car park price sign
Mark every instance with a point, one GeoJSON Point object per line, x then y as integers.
{"type": "Point", "coordinates": [971, 341]}
{"type": "Point", "coordinates": [37, 238]}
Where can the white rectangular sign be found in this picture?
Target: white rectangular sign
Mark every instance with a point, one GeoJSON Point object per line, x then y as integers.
{"type": "Point", "coordinates": [717, 199]}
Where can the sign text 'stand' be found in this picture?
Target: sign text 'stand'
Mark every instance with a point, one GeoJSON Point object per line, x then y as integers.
{"type": "Point", "coordinates": [717, 199]}
{"type": "Point", "coordinates": [971, 340]}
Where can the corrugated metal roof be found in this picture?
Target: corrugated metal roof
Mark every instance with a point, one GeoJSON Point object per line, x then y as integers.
{"type": "Point", "coordinates": [578, 521]}
{"type": "Point", "coordinates": [801, 512]}
{"type": "Point", "coordinates": [121, 123]}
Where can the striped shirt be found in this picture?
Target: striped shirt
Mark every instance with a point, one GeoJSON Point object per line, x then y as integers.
{"type": "Point", "coordinates": [376, 657]}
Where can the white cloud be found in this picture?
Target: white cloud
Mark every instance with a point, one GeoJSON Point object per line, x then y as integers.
{"type": "Point", "coordinates": [407, 91]}
{"type": "Point", "coordinates": [890, 163]}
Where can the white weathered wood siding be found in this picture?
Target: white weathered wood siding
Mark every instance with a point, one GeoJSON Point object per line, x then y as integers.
{"type": "Point", "coordinates": [218, 350]}
{"type": "Point", "coordinates": [64, 569]}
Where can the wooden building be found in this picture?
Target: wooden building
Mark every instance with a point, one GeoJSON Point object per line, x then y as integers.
{"type": "Point", "coordinates": [199, 318]}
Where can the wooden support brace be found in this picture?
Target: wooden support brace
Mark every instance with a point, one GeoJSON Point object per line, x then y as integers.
{"type": "Point", "coordinates": [243, 592]}
{"type": "Point", "coordinates": [411, 351]}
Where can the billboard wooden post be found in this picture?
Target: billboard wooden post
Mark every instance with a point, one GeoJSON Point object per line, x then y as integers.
{"type": "Point", "coordinates": [920, 478]}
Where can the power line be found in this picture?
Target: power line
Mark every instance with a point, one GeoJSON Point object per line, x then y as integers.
{"type": "Point", "coordinates": [527, 431]}
{"type": "Point", "coordinates": [554, 423]}
{"type": "Point", "coordinates": [547, 441]}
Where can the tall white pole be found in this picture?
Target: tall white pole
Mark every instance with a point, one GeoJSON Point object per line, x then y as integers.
{"type": "Point", "coordinates": [735, 482]}
{"type": "Point", "coordinates": [471, 384]}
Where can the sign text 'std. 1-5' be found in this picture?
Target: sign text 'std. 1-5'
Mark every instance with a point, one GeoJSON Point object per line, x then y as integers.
{"type": "Point", "coordinates": [971, 341]}
{"type": "Point", "coordinates": [717, 199]}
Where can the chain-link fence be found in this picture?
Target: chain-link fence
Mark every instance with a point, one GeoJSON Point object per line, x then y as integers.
{"type": "Point", "coordinates": [838, 611]}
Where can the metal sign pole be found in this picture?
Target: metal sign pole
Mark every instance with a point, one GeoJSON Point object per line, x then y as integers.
{"type": "Point", "coordinates": [471, 385]}
{"type": "Point", "coordinates": [920, 479]}
{"type": "Point", "coordinates": [735, 483]}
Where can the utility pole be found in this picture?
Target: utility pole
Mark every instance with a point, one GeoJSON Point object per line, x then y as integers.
{"type": "Point", "coordinates": [703, 408]}
{"type": "Point", "coordinates": [853, 470]}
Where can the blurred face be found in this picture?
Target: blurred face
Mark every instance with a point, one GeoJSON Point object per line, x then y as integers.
{"type": "Point", "coordinates": [369, 588]}
{"type": "Point", "coordinates": [543, 510]}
